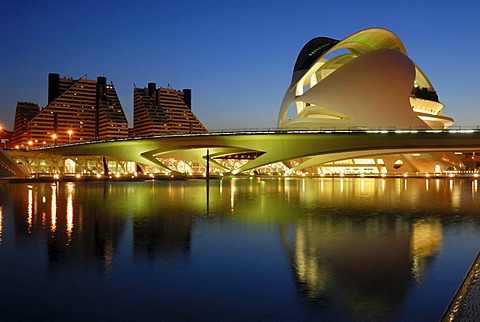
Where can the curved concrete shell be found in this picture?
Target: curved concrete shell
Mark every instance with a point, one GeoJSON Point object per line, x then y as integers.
{"type": "Point", "coordinates": [364, 81]}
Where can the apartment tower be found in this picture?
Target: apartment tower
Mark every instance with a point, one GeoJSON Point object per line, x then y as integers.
{"type": "Point", "coordinates": [161, 111]}
{"type": "Point", "coordinates": [78, 110]}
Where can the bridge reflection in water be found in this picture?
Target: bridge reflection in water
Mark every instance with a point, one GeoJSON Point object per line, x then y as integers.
{"type": "Point", "coordinates": [348, 248]}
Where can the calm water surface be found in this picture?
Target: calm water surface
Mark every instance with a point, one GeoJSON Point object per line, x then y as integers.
{"type": "Point", "coordinates": [244, 249]}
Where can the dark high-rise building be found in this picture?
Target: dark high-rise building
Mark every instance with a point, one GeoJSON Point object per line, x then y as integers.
{"type": "Point", "coordinates": [77, 110]}
{"type": "Point", "coordinates": [24, 112]}
{"type": "Point", "coordinates": [163, 111]}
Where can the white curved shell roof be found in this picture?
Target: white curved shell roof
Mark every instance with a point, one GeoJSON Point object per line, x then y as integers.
{"type": "Point", "coordinates": [360, 87]}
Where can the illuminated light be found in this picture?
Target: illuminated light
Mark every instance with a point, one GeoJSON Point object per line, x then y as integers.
{"type": "Point", "coordinates": [117, 175]}
{"type": "Point", "coordinates": [458, 153]}
{"type": "Point", "coordinates": [476, 175]}
{"type": "Point", "coordinates": [427, 175]}
{"type": "Point", "coordinates": [78, 176]}
{"type": "Point", "coordinates": [235, 171]}
{"type": "Point", "coordinates": [362, 175]}
{"type": "Point", "coordinates": [461, 131]}
{"type": "Point", "coordinates": [451, 175]}
{"type": "Point", "coordinates": [383, 175]}
{"type": "Point", "coordinates": [56, 176]}
{"type": "Point", "coordinates": [322, 175]}
{"type": "Point", "coordinates": [437, 168]}
{"type": "Point", "coordinates": [151, 175]}
{"type": "Point", "coordinates": [99, 175]}
{"type": "Point", "coordinates": [44, 199]}
{"type": "Point", "coordinates": [405, 174]}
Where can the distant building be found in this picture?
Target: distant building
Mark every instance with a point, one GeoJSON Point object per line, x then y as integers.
{"type": "Point", "coordinates": [77, 110]}
{"type": "Point", "coordinates": [24, 112]}
{"type": "Point", "coordinates": [163, 111]}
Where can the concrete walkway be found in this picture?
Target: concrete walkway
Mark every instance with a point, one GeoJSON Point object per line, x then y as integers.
{"type": "Point", "coordinates": [465, 305]}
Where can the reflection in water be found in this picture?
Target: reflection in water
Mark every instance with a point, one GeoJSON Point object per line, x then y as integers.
{"type": "Point", "coordinates": [53, 216]}
{"type": "Point", "coordinates": [30, 208]}
{"type": "Point", "coordinates": [425, 243]}
{"type": "Point", "coordinates": [354, 246]}
{"type": "Point", "coordinates": [69, 212]}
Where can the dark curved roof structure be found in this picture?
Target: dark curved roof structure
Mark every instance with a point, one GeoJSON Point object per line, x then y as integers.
{"type": "Point", "coordinates": [312, 51]}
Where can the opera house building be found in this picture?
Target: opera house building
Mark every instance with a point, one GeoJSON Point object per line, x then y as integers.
{"type": "Point", "coordinates": [364, 81]}
{"type": "Point", "coordinates": [357, 106]}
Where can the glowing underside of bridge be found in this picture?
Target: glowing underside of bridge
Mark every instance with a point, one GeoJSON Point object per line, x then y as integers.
{"type": "Point", "coordinates": [311, 148]}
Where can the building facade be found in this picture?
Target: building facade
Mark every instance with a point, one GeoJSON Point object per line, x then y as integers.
{"type": "Point", "coordinates": [24, 112]}
{"type": "Point", "coordinates": [365, 81]}
{"type": "Point", "coordinates": [161, 111]}
{"type": "Point", "coordinates": [78, 110]}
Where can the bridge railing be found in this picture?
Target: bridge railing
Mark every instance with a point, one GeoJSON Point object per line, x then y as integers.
{"type": "Point", "coordinates": [321, 130]}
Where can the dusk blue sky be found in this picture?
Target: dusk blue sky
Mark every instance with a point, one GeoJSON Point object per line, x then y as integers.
{"type": "Point", "coordinates": [236, 56]}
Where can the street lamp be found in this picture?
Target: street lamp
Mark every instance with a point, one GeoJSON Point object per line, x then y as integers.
{"type": "Point", "coordinates": [54, 137]}
{"type": "Point", "coordinates": [70, 132]}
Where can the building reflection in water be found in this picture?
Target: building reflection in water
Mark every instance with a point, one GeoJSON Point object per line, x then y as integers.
{"type": "Point", "coordinates": [163, 222]}
{"type": "Point", "coordinates": [86, 222]}
{"type": "Point", "coordinates": [358, 244]}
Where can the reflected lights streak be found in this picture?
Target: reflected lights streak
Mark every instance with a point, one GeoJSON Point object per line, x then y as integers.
{"type": "Point", "coordinates": [475, 186]}
{"type": "Point", "coordinates": [53, 226]}
{"type": "Point", "coordinates": [426, 184]}
{"type": "Point", "coordinates": [30, 209]}
{"type": "Point", "coordinates": [69, 213]}
{"type": "Point", "coordinates": [232, 195]}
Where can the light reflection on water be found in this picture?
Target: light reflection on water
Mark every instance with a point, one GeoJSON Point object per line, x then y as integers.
{"type": "Point", "coordinates": [260, 248]}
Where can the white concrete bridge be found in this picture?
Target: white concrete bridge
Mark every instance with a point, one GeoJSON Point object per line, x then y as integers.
{"type": "Point", "coordinates": [269, 146]}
